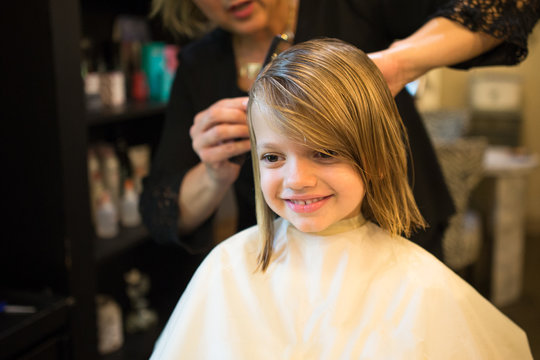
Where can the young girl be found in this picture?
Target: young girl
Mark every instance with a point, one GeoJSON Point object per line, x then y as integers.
{"type": "Point", "coordinates": [331, 277]}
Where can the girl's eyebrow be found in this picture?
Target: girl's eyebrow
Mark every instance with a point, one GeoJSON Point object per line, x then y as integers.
{"type": "Point", "coordinates": [266, 145]}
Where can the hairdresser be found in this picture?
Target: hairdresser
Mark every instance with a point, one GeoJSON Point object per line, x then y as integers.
{"type": "Point", "coordinates": [205, 123]}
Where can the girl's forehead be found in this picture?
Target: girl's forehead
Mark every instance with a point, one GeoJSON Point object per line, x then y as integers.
{"type": "Point", "coordinates": [265, 115]}
{"type": "Point", "coordinates": [260, 106]}
{"type": "Point", "coordinates": [290, 126]}
{"type": "Point", "coordinates": [265, 126]}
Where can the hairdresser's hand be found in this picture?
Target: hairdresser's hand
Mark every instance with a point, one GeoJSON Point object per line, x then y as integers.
{"type": "Point", "coordinates": [219, 133]}
{"type": "Point", "coordinates": [439, 42]}
{"type": "Point", "coordinates": [390, 68]}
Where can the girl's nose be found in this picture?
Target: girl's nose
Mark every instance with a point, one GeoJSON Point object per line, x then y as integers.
{"type": "Point", "coordinates": [299, 173]}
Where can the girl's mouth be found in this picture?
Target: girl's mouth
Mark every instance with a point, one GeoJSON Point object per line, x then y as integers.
{"type": "Point", "coordinates": [306, 205]}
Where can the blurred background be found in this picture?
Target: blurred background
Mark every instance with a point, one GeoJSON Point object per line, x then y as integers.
{"type": "Point", "coordinates": [85, 85]}
{"type": "Point", "coordinates": [492, 113]}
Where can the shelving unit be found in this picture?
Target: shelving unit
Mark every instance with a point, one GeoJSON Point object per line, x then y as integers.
{"type": "Point", "coordinates": [24, 333]}
{"type": "Point", "coordinates": [126, 112]}
{"type": "Point", "coordinates": [126, 239]}
{"type": "Point", "coordinates": [49, 251]}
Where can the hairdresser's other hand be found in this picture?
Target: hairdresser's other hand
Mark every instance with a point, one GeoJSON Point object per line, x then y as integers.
{"type": "Point", "coordinates": [439, 42]}
{"type": "Point", "coordinates": [219, 133]}
{"type": "Point", "coordinates": [390, 68]}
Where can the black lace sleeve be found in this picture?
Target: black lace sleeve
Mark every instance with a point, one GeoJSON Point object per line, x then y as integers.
{"type": "Point", "coordinates": [510, 20]}
{"type": "Point", "coordinates": [159, 210]}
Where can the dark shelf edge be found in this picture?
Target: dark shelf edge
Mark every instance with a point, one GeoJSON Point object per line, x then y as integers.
{"type": "Point", "coordinates": [28, 330]}
{"type": "Point", "coordinates": [128, 111]}
{"type": "Point", "coordinates": [126, 239]}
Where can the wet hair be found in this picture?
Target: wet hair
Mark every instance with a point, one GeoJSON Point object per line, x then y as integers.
{"type": "Point", "coordinates": [328, 95]}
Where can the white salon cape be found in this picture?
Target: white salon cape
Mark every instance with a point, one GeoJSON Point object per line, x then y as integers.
{"type": "Point", "coordinates": [349, 292]}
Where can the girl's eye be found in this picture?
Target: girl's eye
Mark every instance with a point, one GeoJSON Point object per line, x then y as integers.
{"type": "Point", "coordinates": [327, 154]}
{"type": "Point", "coordinates": [270, 158]}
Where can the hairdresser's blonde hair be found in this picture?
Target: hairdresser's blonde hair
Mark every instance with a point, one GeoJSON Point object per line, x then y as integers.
{"type": "Point", "coordinates": [332, 97]}
{"type": "Point", "coordinates": [181, 17]}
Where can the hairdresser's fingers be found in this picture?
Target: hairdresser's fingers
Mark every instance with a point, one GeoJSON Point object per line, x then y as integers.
{"type": "Point", "coordinates": [233, 103]}
{"type": "Point", "coordinates": [208, 119]}
{"type": "Point", "coordinates": [222, 111]}
{"type": "Point", "coordinates": [224, 151]}
{"type": "Point", "coordinates": [221, 123]}
{"type": "Point", "coordinates": [221, 142]}
{"type": "Point", "coordinates": [221, 119]}
{"type": "Point", "coordinates": [217, 160]}
{"type": "Point", "coordinates": [238, 102]}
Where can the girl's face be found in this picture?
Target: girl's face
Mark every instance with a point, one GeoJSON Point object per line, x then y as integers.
{"type": "Point", "coordinates": [309, 189]}
{"type": "Point", "coordinates": [244, 17]}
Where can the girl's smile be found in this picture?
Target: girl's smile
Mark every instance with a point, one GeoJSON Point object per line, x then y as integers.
{"type": "Point", "coordinates": [307, 205]}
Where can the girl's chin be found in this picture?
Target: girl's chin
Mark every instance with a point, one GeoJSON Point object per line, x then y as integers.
{"type": "Point", "coordinates": [309, 226]}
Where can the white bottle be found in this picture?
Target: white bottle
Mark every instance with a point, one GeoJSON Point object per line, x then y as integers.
{"type": "Point", "coordinates": [129, 212]}
{"type": "Point", "coordinates": [106, 217]}
{"type": "Point", "coordinates": [111, 174]}
{"type": "Point", "coordinates": [110, 332]}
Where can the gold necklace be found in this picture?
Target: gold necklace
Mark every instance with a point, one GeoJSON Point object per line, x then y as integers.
{"type": "Point", "coordinates": [250, 70]}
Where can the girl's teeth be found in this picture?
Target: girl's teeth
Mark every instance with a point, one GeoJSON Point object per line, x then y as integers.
{"type": "Point", "coordinates": [305, 202]}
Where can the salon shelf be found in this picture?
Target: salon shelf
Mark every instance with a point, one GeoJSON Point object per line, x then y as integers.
{"type": "Point", "coordinates": [128, 111]}
{"type": "Point", "coordinates": [52, 128]}
{"type": "Point", "coordinates": [126, 239]}
{"type": "Point", "coordinates": [33, 334]}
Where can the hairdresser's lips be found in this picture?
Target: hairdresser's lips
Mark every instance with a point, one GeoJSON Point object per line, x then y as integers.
{"type": "Point", "coordinates": [241, 9]}
{"type": "Point", "coordinates": [306, 205]}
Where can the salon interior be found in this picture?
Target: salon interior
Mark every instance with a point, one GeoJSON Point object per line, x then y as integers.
{"type": "Point", "coordinates": [76, 285]}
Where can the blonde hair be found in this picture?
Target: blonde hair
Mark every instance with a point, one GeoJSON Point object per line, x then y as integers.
{"type": "Point", "coordinates": [329, 95]}
{"type": "Point", "coordinates": [181, 17]}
